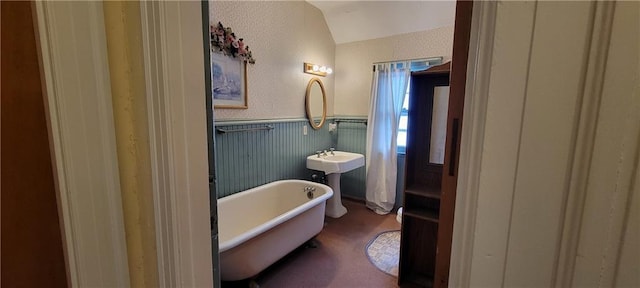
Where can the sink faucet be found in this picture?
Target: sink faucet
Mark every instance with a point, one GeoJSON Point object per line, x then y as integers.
{"type": "Point", "coordinates": [318, 153]}
{"type": "Point", "coordinates": [324, 153]}
{"type": "Point", "coordinates": [332, 149]}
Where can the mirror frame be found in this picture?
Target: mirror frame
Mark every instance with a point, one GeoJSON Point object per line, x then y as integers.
{"type": "Point", "coordinates": [324, 103]}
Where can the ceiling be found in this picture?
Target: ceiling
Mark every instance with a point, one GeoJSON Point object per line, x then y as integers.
{"type": "Point", "coordinates": [351, 21]}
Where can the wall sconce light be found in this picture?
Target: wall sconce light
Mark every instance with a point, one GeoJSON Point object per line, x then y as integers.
{"type": "Point", "coordinates": [317, 69]}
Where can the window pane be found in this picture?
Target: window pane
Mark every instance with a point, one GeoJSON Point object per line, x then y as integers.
{"type": "Point", "coordinates": [403, 123]}
{"type": "Point", "coordinates": [405, 104]}
{"type": "Point", "coordinates": [402, 138]}
{"type": "Point", "coordinates": [402, 127]}
{"type": "Point", "coordinates": [419, 65]}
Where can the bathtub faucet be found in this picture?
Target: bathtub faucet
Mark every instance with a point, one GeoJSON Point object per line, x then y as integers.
{"type": "Point", "coordinates": [309, 190]}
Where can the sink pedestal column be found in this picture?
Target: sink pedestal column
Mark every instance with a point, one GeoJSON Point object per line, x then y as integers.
{"type": "Point", "coordinates": [334, 204]}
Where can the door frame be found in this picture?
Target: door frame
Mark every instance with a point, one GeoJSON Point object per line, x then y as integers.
{"type": "Point", "coordinates": [77, 92]}
{"type": "Point", "coordinates": [471, 141]}
{"type": "Point", "coordinates": [175, 84]}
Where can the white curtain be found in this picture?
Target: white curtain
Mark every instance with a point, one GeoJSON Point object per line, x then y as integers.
{"type": "Point", "coordinates": [388, 89]}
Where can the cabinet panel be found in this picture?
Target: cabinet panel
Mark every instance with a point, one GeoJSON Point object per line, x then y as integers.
{"type": "Point", "coordinates": [418, 251]}
{"type": "Point", "coordinates": [421, 172]}
{"type": "Point", "coordinates": [422, 194]}
{"type": "Point", "coordinates": [422, 207]}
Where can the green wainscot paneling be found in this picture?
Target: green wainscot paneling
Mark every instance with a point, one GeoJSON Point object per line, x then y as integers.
{"type": "Point", "coordinates": [252, 158]}
{"type": "Point", "coordinates": [352, 137]}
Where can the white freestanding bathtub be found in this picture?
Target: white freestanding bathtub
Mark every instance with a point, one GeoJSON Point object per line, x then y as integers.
{"type": "Point", "coordinates": [259, 226]}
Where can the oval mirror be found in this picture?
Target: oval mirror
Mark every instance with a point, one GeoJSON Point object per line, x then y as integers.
{"type": "Point", "coordinates": [316, 103]}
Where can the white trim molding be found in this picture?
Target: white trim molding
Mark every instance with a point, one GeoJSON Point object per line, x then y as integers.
{"type": "Point", "coordinates": [78, 102]}
{"type": "Point", "coordinates": [548, 185]}
{"type": "Point", "coordinates": [175, 81]}
{"type": "Point", "coordinates": [607, 250]}
{"type": "Point", "coordinates": [475, 109]}
{"type": "Point", "coordinates": [587, 118]}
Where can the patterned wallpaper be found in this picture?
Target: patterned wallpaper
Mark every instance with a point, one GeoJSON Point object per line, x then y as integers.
{"type": "Point", "coordinates": [282, 35]}
{"type": "Point", "coordinates": [353, 63]}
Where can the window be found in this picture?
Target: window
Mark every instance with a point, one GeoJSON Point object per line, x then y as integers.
{"type": "Point", "coordinates": [404, 118]}
{"type": "Point", "coordinates": [416, 65]}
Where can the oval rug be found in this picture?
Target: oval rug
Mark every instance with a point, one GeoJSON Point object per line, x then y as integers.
{"type": "Point", "coordinates": [383, 251]}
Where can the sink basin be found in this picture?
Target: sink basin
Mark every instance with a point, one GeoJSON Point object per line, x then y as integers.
{"type": "Point", "coordinates": [339, 162]}
{"type": "Point", "coordinates": [334, 165]}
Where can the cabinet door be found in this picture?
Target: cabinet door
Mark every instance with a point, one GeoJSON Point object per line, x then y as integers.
{"type": "Point", "coordinates": [462, 32]}
{"type": "Point", "coordinates": [426, 134]}
{"type": "Point", "coordinates": [417, 251]}
{"type": "Point", "coordinates": [426, 131]}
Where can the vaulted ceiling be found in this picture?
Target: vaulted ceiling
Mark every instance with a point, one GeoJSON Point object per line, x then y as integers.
{"type": "Point", "coordinates": [351, 21]}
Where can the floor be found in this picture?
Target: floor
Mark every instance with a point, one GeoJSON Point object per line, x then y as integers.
{"type": "Point", "coordinates": [339, 258]}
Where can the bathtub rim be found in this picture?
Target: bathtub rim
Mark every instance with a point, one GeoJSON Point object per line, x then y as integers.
{"type": "Point", "coordinates": [236, 241]}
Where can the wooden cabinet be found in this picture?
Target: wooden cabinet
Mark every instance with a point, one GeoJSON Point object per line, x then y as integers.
{"type": "Point", "coordinates": [428, 108]}
{"type": "Point", "coordinates": [432, 174]}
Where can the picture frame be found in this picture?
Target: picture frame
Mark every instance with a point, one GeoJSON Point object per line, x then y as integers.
{"type": "Point", "coordinates": [228, 81]}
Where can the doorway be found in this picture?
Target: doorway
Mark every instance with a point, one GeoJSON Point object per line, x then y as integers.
{"type": "Point", "coordinates": [460, 72]}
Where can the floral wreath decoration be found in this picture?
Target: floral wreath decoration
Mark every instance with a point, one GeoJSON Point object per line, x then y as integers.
{"type": "Point", "coordinates": [223, 39]}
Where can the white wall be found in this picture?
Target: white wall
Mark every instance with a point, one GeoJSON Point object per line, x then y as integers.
{"type": "Point", "coordinates": [354, 63]}
{"type": "Point", "coordinates": [281, 35]}
{"type": "Point", "coordinates": [558, 185]}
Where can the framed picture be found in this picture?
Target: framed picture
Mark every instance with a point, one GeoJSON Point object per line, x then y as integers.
{"type": "Point", "coordinates": [228, 81]}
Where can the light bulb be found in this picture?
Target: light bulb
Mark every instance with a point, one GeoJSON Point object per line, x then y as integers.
{"type": "Point", "coordinates": [323, 69]}
{"type": "Point", "coordinates": [329, 70]}
{"type": "Point", "coordinates": [315, 67]}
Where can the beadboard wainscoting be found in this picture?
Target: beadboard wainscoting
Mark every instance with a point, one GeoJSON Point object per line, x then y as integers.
{"type": "Point", "coordinates": [352, 137]}
{"type": "Point", "coordinates": [252, 158]}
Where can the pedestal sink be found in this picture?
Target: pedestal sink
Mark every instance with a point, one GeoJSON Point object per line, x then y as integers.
{"type": "Point", "coordinates": [333, 164]}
